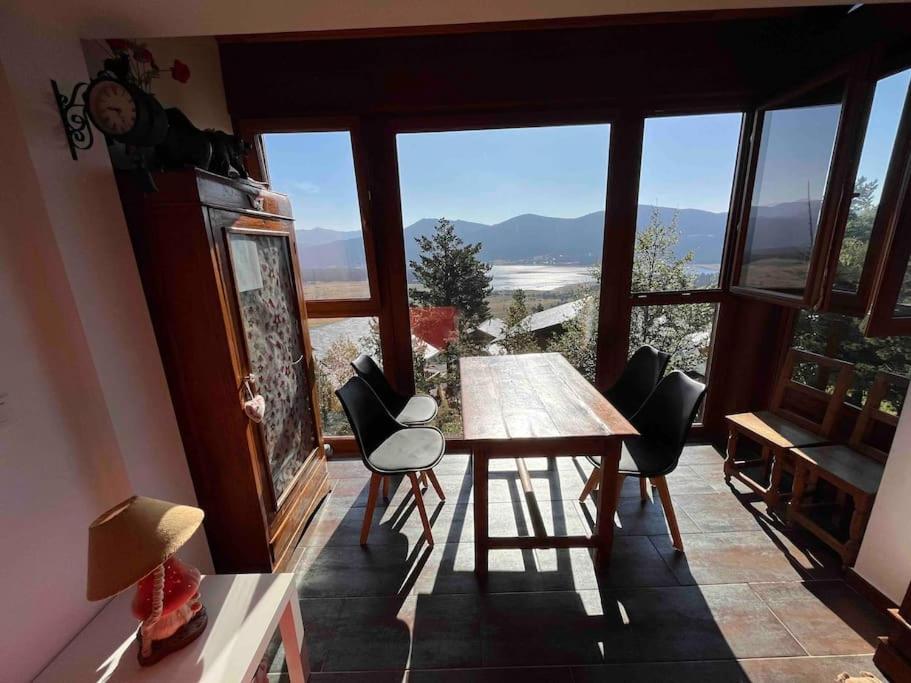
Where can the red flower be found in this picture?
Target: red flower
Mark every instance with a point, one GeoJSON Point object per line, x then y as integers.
{"type": "Point", "coordinates": [180, 72]}
{"type": "Point", "coordinates": [118, 44]}
{"type": "Point", "coordinates": [141, 54]}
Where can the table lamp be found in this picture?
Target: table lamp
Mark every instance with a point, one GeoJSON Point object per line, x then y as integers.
{"type": "Point", "coordinates": [134, 543]}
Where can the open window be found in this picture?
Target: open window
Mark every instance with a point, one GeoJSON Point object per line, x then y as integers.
{"type": "Point", "coordinates": [803, 159]}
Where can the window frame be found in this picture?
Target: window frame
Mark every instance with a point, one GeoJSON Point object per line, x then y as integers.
{"type": "Point", "coordinates": [895, 244]}
{"type": "Point", "coordinates": [372, 306]}
{"type": "Point", "coordinates": [856, 99]}
{"type": "Point", "coordinates": [255, 129]}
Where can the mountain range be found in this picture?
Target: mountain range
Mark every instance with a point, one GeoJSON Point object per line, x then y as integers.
{"type": "Point", "coordinates": [531, 238]}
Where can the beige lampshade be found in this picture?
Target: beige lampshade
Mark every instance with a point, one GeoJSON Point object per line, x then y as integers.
{"type": "Point", "coordinates": [132, 538]}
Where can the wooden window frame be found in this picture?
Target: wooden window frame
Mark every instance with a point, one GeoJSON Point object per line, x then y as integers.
{"type": "Point", "coordinates": [255, 128]}
{"type": "Point", "coordinates": [895, 247]}
{"type": "Point", "coordinates": [855, 104]}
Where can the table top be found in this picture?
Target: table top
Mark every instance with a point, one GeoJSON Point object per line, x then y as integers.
{"type": "Point", "coordinates": [534, 399]}
{"type": "Point", "coordinates": [244, 611]}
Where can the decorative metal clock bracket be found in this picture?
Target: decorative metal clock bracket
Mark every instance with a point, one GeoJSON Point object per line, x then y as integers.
{"type": "Point", "coordinates": [75, 122]}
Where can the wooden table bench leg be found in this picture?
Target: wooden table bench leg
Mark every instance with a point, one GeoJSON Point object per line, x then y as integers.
{"type": "Point", "coordinates": [730, 453]}
{"type": "Point", "coordinates": [479, 466]}
{"type": "Point", "coordinates": [607, 503]}
{"type": "Point", "coordinates": [291, 627]}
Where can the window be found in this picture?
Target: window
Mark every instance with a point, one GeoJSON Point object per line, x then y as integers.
{"type": "Point", "coordinates": [317, 171]}
{"type": "Point", "coordinates": [882, 128]}
{"type": "Point", "coordinates": [683, 330]}
{"type": "Point", "coordinates": [840, 336]}
{"type": "Point", "coordinates": [336, 342]}
{"type": "Point", "coordinates": [795, 152]}
{"type": "Point", "coordinates": [503, 238]}
{"type": "Point", "coordinates": [684, 196]}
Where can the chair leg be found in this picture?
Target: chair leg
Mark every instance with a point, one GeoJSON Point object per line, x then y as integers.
{"type": "Point", "coordinates": [422, 478]}
{"type": "Point", "coordinates": [643, 489]}
{"type": "Point", "coordinates": [593, 480]}
{"type": "Point", "coordinates": [419, 500]}
{"type": "Point", "coordinates": [386, 489]}
{"type": "Point", "coordinates": [371, 503]}
{"type": "Point", "coordinates": [661, 484]}
{"type": "Point", "coordinates": [436, 484]}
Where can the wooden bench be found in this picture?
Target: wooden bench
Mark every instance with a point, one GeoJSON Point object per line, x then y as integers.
{"type": "Point", "coordinates": [778, 430]}
{"type": "Point", "coordinates": [854, 470]}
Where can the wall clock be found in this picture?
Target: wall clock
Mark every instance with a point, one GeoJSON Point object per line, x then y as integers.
{"type": "Point", "coordinates": [125, 113]}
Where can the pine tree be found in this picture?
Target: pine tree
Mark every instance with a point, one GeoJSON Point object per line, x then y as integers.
{"type": "Point", "coordinates": [452, 275]}
{"type": "Point", "coordinates": [684, 331]}
{"type": "Point", "coordinates": [517, 338]}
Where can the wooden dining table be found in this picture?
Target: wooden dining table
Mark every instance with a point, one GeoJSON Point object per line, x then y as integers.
{"type": "Point", "coordinates": [538, 404]}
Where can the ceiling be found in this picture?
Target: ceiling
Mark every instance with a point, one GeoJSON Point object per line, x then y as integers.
{"type": "Point", "coordinates": [166, 18]}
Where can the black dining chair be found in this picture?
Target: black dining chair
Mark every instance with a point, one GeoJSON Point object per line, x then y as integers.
{"type": "Point", "coordinates": [639, 378]}
{"type": "Point", "coordinates": [416, 410]}
{"type": "Point", "coordinates": [663, 423]}
{"type": "Point", "coordinates": [390, 448]}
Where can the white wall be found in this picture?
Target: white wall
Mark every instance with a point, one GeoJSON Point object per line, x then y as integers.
{"type": "Point", "coordinates": [885, 555]}
{"type": "Point", "coordinates": [86, 417]}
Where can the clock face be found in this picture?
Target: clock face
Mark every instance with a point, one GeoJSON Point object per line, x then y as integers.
{"type": "Point", "coordinates": [112, 107]}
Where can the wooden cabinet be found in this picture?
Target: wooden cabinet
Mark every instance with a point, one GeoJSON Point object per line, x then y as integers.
{"type": "Point", "coordinates": [220, 271]}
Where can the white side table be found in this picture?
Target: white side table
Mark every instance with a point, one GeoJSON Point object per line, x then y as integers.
{"type": "Point", "coordinates": [243, 609]}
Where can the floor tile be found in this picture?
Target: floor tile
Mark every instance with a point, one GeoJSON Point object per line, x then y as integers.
{"type": "Point", "coordinates": [827, 617]}
{"type": "Point", "coordinates": [321, 619]}
{"type": "Point", "coordinates": [637, 518]}
{"type": "Point", "coordinates": [390, 633]}
{"type": "Point", "coordinates": [715, 512]}
{"type": "Point", "coordinates": [806, 669]}
{"type": "Point", "coordinates": [506, 675]}
{"type": "Point", "coordinates": [661, 672]}
{"type": "Point", "coordinates": [651, 624]}
{"type": "Point", "coordinates": [743, 557]}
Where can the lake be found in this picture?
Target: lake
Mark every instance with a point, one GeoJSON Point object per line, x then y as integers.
{"type": "Point", "coordinates": [537, 278]}
{"type": "Point", "coordinates": [545, 278]}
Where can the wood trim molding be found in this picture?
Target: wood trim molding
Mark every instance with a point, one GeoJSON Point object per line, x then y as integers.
{"type": "Point", "coordinates": [872, 594]}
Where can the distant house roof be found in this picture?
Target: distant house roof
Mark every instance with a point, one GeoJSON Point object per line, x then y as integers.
{"type": "Point", "coordinates": [492, 327]}
{"type": "Point", "coordinates": [354, 329]}
{"type": "Point", "coordinates": [552, 317]}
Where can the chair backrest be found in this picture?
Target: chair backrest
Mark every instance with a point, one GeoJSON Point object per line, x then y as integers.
{"type": "Point", "coordinates": [638, 379]}
{"type": "Point", "coordinates": [669, 412]}
{"type": "Point", "coordinates": [370, 421]}
{"type": "Point", "coordinates": [367, 369]}
{"type": "Point", "coordinates": [831, 403]}
{"type": "Point", "coordinates": [872, 413]}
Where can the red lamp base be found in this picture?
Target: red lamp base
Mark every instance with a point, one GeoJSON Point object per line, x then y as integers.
{"type": "Point", "coordinates": [182, 637]}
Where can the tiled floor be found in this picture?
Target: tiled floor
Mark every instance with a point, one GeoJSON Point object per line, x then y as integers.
{"type": "Point", "coordinates": [749, 601]}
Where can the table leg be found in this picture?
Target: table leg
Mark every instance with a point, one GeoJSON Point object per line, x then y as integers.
{"type": "Point", "coordinates": [291, 627]}
{"type": "Point", "coordinates": [479, 465]}
{"type": "Point", "coordinates": [607, 503]}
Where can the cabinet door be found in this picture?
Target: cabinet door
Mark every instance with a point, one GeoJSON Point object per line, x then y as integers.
{"type": "Point", "coordinates": [277, 352]}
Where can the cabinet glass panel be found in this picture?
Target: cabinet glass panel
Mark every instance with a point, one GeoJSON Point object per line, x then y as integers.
{"type": "Point", "coordinates": [793, 166]}
{"type": "Point", "coordinates": [275, 349]}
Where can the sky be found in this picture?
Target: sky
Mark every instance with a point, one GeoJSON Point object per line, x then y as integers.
{"type": "Point", "coordinates": [489, 176]}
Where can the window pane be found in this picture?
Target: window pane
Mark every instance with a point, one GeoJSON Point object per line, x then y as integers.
{"type": "Point", "coordinates": [903, 305]}
{"type": "Point", "coordinates": [888, 100]}
{"type": "Point", "coordinates": [839, 336]}
{"type": "Point", "coordinates": [684, 195]}
{"type": "Point", "coordinates": [791, 174]}
{"type": "Point", "coordinates": [316, 170]}
{"type": "Point", "coordinates": [682, 330]}
{"type": "Point", "coordinates": [336, 342]}
{"type": "Point", "coordinates": [514, 265]}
